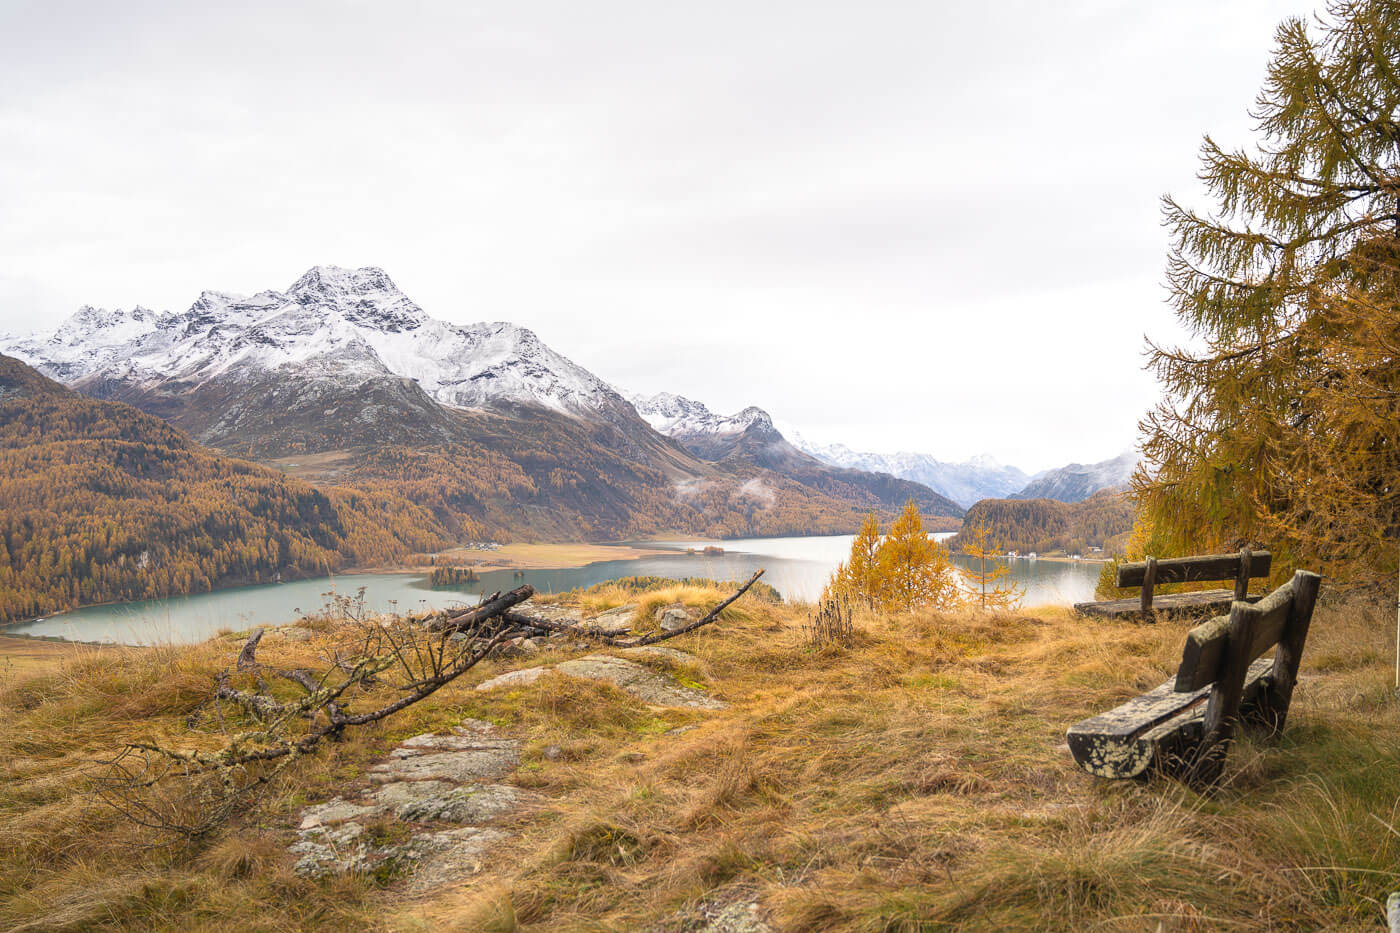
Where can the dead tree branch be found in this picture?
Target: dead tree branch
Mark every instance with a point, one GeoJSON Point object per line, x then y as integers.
{"type": "Point", "coordinates": [246, 659]}
{"type": "Point", "coordinates": [491, 607]}
{"type": "Point", "coordinates": [711, 616]}
{"type": "Point", "coordinates": [523, 619]}
{"type": "Point", "coordinates": [189, 791]}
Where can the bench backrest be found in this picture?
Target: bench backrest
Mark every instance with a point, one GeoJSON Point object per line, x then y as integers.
{"type": "Point", "coordinates": [1207, 643]}
{"type": "Point", "coordinates": [1219, 652]}
{"type": "Point", "coordinates": [1238, 567]}
{"type": "Point", "coordinates": [1196, 569]}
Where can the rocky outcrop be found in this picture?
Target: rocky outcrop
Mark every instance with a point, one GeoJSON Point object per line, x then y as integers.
{"type": "Point", "coordinates": [427, 809]}
{"type": "Point", "coordinates": [647, 685]}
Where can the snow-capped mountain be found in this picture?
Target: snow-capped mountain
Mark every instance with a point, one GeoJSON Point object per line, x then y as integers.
{"type": "Point", "coordinates": [750, 436]}
{"type": "Point", "coordinates": [347, 325]}
{"type": "Point", "coordinates": [1078, 481]}
{"type": "Point", "coordinates": [675, 415]}
{"type": "Point", "coordinates": [710, 436]}
{"type": "Point", "coordinates": [343, 375]}
{"type": "Point", "coordinates": [982, 477]}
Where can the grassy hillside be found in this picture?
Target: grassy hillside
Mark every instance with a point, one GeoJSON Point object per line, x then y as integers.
{"type": "Point", "coordinates": [100, 502]}
{"type": "Point", "coordinates": [915, 780]}
{"type": "Point", "coordinates": [1048, 525]}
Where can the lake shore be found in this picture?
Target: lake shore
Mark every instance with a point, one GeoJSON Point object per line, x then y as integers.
{"type": "Point", "coordinates": [1067, 560]}
{"type": "Point", "coordinates": [22, 657]}
{"type": "Point", "coordinates": [522, 556]}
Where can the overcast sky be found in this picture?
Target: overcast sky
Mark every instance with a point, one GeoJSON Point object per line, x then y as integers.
{"type": "Point", "coordinates": [924, 226]}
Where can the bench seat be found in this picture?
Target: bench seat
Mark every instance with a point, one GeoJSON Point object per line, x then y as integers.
{"type": "Point", "coordinates": [1204, 602]}
{"type": "Point", "coordinates": [1156, 730]}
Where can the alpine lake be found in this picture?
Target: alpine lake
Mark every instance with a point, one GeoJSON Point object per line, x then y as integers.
{"type": "Point", "coordinates": [797, 567]}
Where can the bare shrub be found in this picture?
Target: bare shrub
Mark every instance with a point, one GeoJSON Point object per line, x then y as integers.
{"type": "Point", "coordinates": [831, 624]}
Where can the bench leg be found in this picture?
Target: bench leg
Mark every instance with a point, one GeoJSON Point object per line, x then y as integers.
{"type": "Point", "coordinates": [1290, 650]}
{"type": "Point", "coordinates": [1223, 708]}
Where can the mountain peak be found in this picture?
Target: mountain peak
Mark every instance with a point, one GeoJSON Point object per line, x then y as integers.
{"type": "Point", "coordinates": [323, 279]}
{"type": "Point", "coordinates": [366, 296]}
{"type": "Point", "coordinates": [753, 415]}
{"type": "Point", "coordinates": [675, 415]}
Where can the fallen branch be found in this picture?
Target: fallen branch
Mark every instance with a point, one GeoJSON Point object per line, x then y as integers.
{"type": "Point", "coordinates": [489, 608]}
{"type": "Point", "coordinates": [518, 618]}
{"type": "Point", "coordinates": [710, 617]}
{"type": "Point", "coordinates": [191, 790]}
{"type": "Point", "coordinates": [524, 620]}
{"type": "Point", "coordinates": [260, 706]}
{"type": "Point", "coordinates": [309, 684]}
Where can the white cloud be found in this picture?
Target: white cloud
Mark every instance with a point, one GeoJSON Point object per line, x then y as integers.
{"type": "Point", "coordinates": [899, 225]}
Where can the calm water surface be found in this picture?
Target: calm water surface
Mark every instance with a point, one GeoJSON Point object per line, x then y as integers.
{"type": "Point", "coordinates": [797, 567]}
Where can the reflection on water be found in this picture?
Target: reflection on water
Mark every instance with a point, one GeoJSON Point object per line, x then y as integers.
{"type": "Point", "coordinates": [1047, 582]}
{"type": "Point", "coordinates": [797, 567]}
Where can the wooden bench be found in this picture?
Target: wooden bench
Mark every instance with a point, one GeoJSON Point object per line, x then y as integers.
{"type": "Point", "coordinates": [1183, 728]}
{"type": "Point", "coordinates": [1150, 573]}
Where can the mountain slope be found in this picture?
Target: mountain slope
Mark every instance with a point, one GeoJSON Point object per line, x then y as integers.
{"type": "Point", "coordinates": [1045, 525]}
{"type": "Point", "coordinates": [1079, 481]}
{"type": "Point", "coordinates": [99, 501]}
{"type": "Point", "coordinates": [749, 438]}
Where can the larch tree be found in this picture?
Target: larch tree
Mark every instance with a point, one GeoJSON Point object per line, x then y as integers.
{"type": "Point", "coordinates": [915, 570]}
{"type": "Point", "coordinates": [1281, 423]}
{"type": "Point", "coordinates": [858, 579]}
{"type": "Point", "coordinates": [988, 574]}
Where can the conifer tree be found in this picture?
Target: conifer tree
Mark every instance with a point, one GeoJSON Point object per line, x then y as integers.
{"type": "Point", "coordinates": [1282, 425]}
{"type": "Point", "coordinates": [988, 573]}
{"type": "Point", "coordinates": [858, 579]}
{"type": "Point", "coordinates": [915, 571]}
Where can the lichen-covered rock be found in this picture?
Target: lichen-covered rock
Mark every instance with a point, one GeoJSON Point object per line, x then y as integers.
{"type": "Point", "coordinates": [660, 652]}
{"type": "Point", "coordinates": [672, 618]}
{"type": "Point", "coordinates": [643, 683]}
{"type": "Point", "coordinates": [473, 804]}
{"type": "Point", "coordinates": [520, 678]}
{"type": "Point", "coordinates": [427, 781]}
{"type": "Point", "coordinates": [337, 811]}
{"type": "Point", "coordinates": [449, 856]}
{"type": "Point", "coordinates": [724, 912]}
{"type": "Point", "coordinates": [613, 622]}
{"type": "Point", "coordinates": [326, 850]}
{"type": "Point", "coordinates": [484, 762]}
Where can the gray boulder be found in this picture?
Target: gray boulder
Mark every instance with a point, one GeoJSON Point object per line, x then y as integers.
{"type": "Point", "coordinates": [672, 618]}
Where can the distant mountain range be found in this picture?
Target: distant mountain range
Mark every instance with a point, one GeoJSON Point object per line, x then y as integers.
{"type": "Point", "coordinates": [344, 380]}
{"type": "Point", "coordinates": [1078, 481]}
{"type": "Point", "coordinates": [750, 439]}
{"type": "Point", "coordinates": [751, 431]}
{"type": "Point", "coordinates": [965, 483]}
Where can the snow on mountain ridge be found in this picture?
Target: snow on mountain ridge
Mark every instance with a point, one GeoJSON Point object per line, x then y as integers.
{"type": "Point", "coordinates": [674, 415]}
{"type": "Point", "coordinates": [334, 323]}
{"type": "Point", "coordinates": [1077, 481]}
{"type": "Point", "coordinates": [981, 477]}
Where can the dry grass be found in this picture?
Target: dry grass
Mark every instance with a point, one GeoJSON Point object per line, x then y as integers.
{"type": "Point", "coordinates": [911, 780]}
{"type": "Point", "coordinates": [24, 657]}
